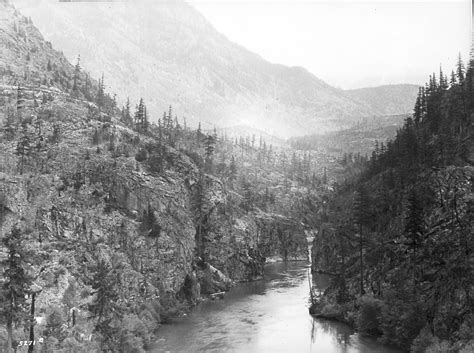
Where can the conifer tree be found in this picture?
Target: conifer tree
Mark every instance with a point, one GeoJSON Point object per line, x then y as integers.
{"type": "Point", "coordinates": [127, 116]}
{"type": "Point", "coordinates": [100, 98]}
{"type": "Point", "coordinates": [104, 306]}
{"type": "Point", "coordinates": [20, 102]}
{"type": "Point", "coordinates": [146, 122]}
{"type": "Point", "coordinates": [141, 123]}
{"type": "Point", "coordinates": [453, 80]}
{"type": "Point", "coordinates": [77, 73]}
{"type": "Point", "coordinates": [23, 148]}
{"type": "Point", "coordinates": [199, 135]}
{"type": "Point", "coordinates": [209, 147]}
{"type": "Point", "coordinates": [16, 283]}
{"type": "Point", "coordinates": [233, 169]}
{"type": "Point", "coordinates": [170, 119]}
{"type": "Point", "coordinates": [10, 124]}
{"type": "Point", "coordinates": [198, 203]}
{"type": "Point", "coordinates": [418, 110]}
{"type": "Point", "coordinates": [325, 177]}
{"type": "Point", "coordinates": [160, 132]}
{"type": "Point", "coordinates": [361, 219]}
{"type": "Point", "coordinates": [247, 202]}
{"type": "Point", "coordinates": [460, 70]}
{"type": "Point", "coordinates": [414, 231]}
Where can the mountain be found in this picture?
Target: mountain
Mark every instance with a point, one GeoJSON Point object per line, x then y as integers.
{"type": "Point", "coordinates": [358, 139]}
{"type": "Point", "coordinates": [168, 53]}
{"type": "Point", "coordinates": [27, 57]}
{"type": "Point", "coordinates": [388, 99]}
{"type": "Point", "coordinates": [107, 232]}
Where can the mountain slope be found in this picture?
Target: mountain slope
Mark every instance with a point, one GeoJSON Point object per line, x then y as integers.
{"type": "Point", "coordinates": [169, 54]}
{"type": "Point", "coordinates": [387, 100]}
{"type": "Point", "coordinates": [398, 234]}
{"type": "Point", "coordinates": [115, 231]}
{"type": "Point", "coordinates": [27, 57]}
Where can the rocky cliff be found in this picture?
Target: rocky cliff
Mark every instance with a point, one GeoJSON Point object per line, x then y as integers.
{"type": "Point", "coordinates": [111, 221]}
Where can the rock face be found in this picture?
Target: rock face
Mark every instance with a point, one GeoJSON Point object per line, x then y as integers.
{"type": "Point", "coordinates": [89, 194]}
{"type": "Point", "coordinates": [27, 57]}
{"type": "Point", "coordinates": [167, 53]}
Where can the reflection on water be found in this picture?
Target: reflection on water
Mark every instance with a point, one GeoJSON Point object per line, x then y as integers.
{"type": "Point", "coordinates": [264, 316]}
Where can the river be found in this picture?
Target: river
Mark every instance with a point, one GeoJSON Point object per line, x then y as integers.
{"type": "Point", "coordinates": [264, 316]}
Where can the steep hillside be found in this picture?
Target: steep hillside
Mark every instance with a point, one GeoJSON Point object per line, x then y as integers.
{"type": "Point", "coordinates": [27, 57]}
{"type": "Point", "coordinates": [398, 235]}
{"type": "Point", "coordinates": [107, 232]}
{"type": "Point", "coordinates": [168, 53]}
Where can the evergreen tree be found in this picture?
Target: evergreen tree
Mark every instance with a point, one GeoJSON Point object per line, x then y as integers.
{"type": "Point", "coordinates": [104, 306]}
{"type": "Point", "coordinates": [418, 110]}
{"type": "Point", "coordinates": [20, 102]}
{"type": "Point", "coordinates": [141, 119]}
{"type": "Point", "coordinates": [362, 218]}
{"type": "Point", "coordinates": [200, 219]}
{"type": "Point", "coordinates": [24, 147]}
{"type": "Point", "coordinates": [77, 73]}
{"type": "Point", "coordinates": [247, 202]}
{"type": "Point", "coordinates": [146, 122]}
{"type": "Point", "coordinates": [233, 170]}
{"type": "Point", "coordinates": [209, 147]}
{"type": "Point", "coordinates": [414, 230]}
{"type": "Point", "coordinates": [460, 70]}
{"type": "Point", "coordinates": [199, 135]}
{"type": "Point", "coordinates": [100, 98]}
{"type": "Point", "coordinates": [16, 283]}
{"type": "Point", "coordinates": [126, 114]}
{"type": "Point", "coordinates": [453, 80]}
{"type": "Point", "coordinates": [10, 125]}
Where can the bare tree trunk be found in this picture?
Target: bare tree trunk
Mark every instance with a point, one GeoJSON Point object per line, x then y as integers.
{"type": "Point", "coordinates": [32, 324]}
{"type": "Point", "coordinates": [361, 260]}
{"type": "Point", "coordinates": [10, 336]}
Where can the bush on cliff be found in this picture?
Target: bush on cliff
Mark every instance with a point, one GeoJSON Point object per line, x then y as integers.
{"type": "Point", "coordinates": [368, 316]}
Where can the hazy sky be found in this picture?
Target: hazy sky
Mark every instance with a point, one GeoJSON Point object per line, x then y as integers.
{"type": "Point", "coordinates": [349, 44]}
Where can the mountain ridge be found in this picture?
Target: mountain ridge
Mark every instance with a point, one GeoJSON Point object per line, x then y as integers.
{"type": "Point", "coordinates": [170, 54]}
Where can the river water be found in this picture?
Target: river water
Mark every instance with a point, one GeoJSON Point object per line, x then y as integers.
{"type": "Point", "coordinates": [264, 316]}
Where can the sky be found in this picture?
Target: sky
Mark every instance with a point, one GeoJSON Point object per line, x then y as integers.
{"type": "Point", "coordinates": [349, 43]}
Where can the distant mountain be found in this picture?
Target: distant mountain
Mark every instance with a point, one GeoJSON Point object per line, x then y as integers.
{"type": "Point", "coordinates": [26, 57]}
{"type": "Point", "coordinates": [387, 100]}
{"type": "Point", "coordinates": [168, 53]}
{"type": "Point", "coordinates": [360, 138]}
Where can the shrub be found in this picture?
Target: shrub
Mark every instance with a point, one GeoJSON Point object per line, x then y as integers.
{"type": "Point", "coordinates": [156, 163]}
{"type": "Point", "coordinates": [469, 348]}
{"type": "Point", "coordinates": [55, 324]}
{"type": "Point", "coordinates": [422, 341]}
{"type": "Point", "coordinates": [401, 322]}
{"type": "Point", "coordinates": [133, 334]}
{"type": "Point", "coordinates": [196, 158]}
{"type": "Point", "coordinates": [368, 315]}
{"type": "Point", "coordinates": [438, 346]}
{"type": "Point", "coordinates": [70, 344]}
{"type": "Point", "coordinates": [141, 155]}
{"type": "Point", "coordinates": [50, 344]}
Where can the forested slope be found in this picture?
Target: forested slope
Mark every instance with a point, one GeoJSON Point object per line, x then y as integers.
{"type": "Point", "coordinates": [398, 237]}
